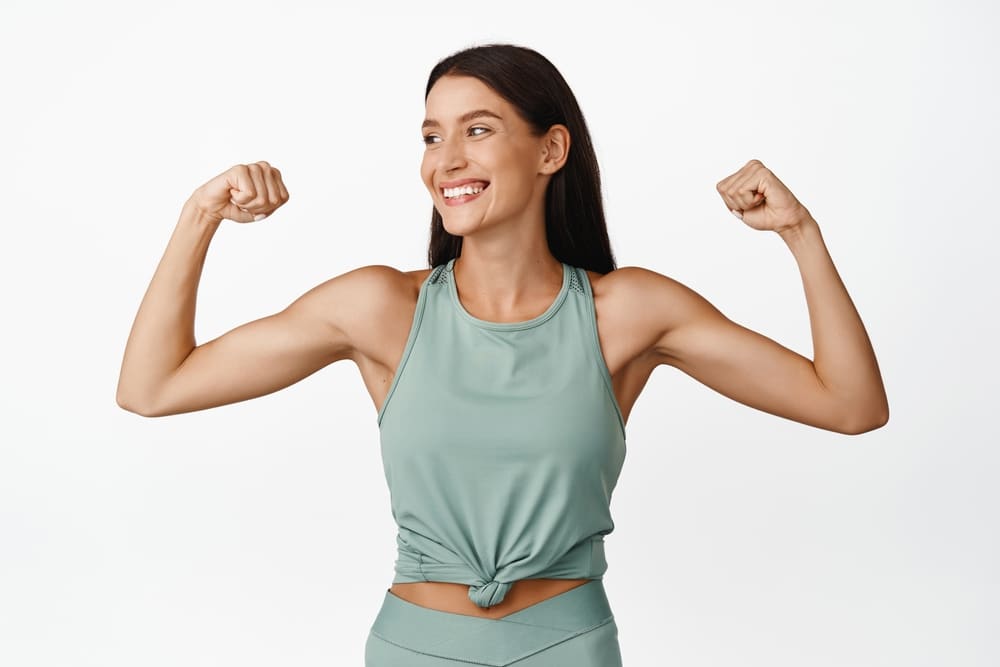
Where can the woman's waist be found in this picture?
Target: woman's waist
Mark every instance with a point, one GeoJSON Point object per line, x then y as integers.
{"type": "Point", "coordinates": [453, 597]}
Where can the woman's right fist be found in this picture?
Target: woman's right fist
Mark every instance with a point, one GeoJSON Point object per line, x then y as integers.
{"type": "Point", "coordinates": [242, 193]}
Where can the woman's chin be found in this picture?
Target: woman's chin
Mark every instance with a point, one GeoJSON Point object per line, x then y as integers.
{"type": "Point", "coordinates": [460, 227]}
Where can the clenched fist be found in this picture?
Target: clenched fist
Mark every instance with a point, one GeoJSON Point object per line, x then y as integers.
{"type": "Point", "coordinates": [242, 193]}
{"type": "Point", "coordinates": [756, 196]}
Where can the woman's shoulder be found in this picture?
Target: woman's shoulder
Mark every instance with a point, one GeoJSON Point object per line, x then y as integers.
{"type": "Point", "coordinates": [635, 294]}
{"type": "Point", "coordinates": [381, 283]}
{"type": "Point", "coordinates": [366, 293]}
{"type": "Point", "coordinates": [626, 281]}
{"type": "Point", "coordinates": [370, 304]}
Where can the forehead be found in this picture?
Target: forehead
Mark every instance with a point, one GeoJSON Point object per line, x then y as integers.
{"type": "Point", "coordinates": [451, 96]}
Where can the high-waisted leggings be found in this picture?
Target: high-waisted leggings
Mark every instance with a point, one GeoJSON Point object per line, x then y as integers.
{"type": "Point", "coordinates": [572, 629]}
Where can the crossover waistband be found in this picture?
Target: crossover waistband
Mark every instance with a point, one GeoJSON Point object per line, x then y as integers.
{"type": "Point", "coordinates": [527, 631]}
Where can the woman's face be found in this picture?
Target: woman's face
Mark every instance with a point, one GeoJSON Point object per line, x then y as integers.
{"type": "Point", "coordinates": [482, 163]}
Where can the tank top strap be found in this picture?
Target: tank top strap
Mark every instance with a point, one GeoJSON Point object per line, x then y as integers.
{"type": "Point", "coordinates": [587, 311]}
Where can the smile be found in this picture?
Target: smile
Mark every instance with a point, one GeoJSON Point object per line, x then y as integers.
{"type": "Point", "coordinates": [463, 193]}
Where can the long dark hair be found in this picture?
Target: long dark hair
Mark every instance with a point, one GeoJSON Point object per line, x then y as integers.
{"type": "Point", "coordinates": [574, 211]}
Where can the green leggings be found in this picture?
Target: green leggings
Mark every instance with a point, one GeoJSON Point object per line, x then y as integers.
{"type": "Point", "coordinates": [573, 629]}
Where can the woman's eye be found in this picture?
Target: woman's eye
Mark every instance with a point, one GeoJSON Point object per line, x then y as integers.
{"type": "Point", "coordinates": [476, 131]}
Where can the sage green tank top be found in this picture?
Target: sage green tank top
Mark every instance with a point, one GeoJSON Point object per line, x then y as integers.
{"type": "Point", "coordinates": [501, 443]}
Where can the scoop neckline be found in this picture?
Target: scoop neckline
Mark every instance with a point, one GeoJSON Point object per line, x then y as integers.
{"type": "Point", "coordinates": [507, 326]}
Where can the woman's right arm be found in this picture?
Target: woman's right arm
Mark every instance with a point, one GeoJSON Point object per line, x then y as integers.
{"type": "Point", "coordinates": [164, 372]}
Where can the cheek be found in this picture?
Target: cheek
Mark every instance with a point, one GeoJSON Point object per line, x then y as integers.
{"type": "Point", "coordinates": [518, 178]}
{"type": "Point", "coordinates": [424, 166]}
{"type": "Point", "coordinates": [426, 172]}
{"type": "Point", "coordinates": [517, 164]}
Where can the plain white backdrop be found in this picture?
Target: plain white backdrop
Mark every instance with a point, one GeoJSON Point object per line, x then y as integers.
{"type": "Point", "coordinates": [260, 534]}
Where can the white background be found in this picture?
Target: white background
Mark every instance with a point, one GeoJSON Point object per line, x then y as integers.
{"type": "Point", "coordinates": [260, 534]}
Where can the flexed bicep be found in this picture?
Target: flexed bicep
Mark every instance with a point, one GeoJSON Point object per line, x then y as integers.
{"type": "Point", "coordinates": [320, 327]}
{"type": "Point", "coordinates": [693, 336]}
{"type": "Point", "coordinates": [751, 368]}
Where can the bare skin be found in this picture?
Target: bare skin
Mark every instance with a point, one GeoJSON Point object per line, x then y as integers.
{"type": "Point", "coordinates": [505, 274]}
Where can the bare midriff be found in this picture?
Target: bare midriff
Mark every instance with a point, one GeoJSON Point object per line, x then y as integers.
{"type": "Point", "coordinates": [454, 598]}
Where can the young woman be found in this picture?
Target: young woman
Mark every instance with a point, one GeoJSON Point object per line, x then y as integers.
{"type": "Point", "coordinates": [504, 374]}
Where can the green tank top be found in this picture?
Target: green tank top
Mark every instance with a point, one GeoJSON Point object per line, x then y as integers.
{"type": "Point", "coordinates": [501, 443]}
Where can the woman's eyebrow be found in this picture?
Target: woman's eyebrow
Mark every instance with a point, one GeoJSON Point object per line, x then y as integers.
{"type": "Point", "coordinates": [466, 117]}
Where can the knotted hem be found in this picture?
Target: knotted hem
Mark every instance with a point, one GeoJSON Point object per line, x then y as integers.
{"type": "Point", "coordinates": [490, 593]}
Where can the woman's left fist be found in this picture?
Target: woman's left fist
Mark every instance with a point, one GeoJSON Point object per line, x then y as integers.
{"type": "Point", "coordinates": [756, 196]}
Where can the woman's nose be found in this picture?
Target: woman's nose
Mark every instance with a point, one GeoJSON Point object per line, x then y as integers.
{"type": "Point", "coordinates": [452, 155]}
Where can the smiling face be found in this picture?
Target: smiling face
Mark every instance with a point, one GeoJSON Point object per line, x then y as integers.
{"type": "Point", "coordinates": [483, 163]}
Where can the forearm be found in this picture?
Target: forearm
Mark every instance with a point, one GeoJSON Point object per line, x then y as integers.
{"type": "Point", "coordinates": [843, 356]}
{"type": "Point", "coordinates": [162, 334]}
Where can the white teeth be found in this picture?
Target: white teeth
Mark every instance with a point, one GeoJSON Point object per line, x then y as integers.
{"type": "Point", "coordinates": [449, 193]}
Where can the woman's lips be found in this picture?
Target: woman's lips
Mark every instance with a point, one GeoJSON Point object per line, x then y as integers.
{"type": "Point", "coordinates": [463, 199]}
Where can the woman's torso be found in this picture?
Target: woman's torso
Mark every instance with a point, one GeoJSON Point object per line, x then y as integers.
{"type": "Point", "coordinates": [629, 365]}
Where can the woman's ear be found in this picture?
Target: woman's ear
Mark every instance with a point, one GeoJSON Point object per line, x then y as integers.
{"type": "Point", "coordinates": [555, 149]}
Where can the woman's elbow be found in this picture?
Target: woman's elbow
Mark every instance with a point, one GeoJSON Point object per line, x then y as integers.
{"type": "Point", "coordinates": [863, 421]}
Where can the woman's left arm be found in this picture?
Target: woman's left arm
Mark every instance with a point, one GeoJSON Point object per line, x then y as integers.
{"type": "Point", "coordinates": [841, 389]}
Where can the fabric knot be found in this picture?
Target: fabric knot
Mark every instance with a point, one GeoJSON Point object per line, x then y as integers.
{"type": "Point", "coordinates": [488, 594]}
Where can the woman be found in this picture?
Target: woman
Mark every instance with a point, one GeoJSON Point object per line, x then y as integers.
{"type": "Point", "coordinates": [503, 375]}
